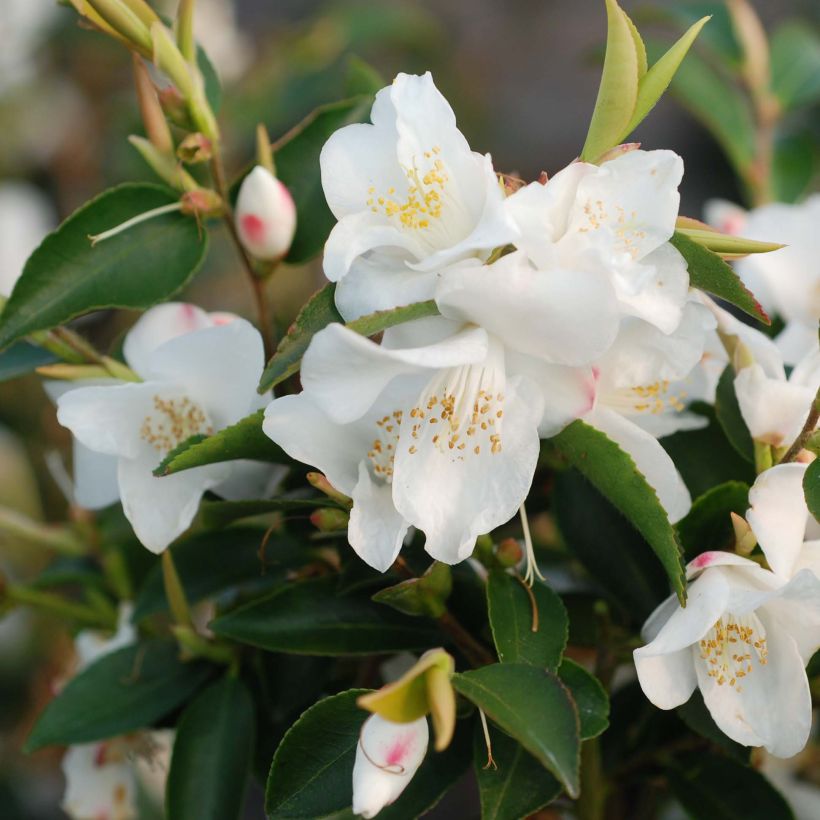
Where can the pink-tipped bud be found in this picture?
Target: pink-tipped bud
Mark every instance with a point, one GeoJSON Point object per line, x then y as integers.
{"type": "Point", "coordinates": [387, 757]}
{"type": "Point", "coordinates": [265, 215]}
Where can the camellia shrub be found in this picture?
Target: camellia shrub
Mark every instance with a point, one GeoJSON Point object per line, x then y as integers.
{"type": "Point", "coordinates": [527, 489]}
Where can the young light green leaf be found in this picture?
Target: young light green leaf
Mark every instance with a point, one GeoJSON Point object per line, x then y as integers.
{"type": "Point", "coordinates": [244, 439]}
{"type": "Point", "coordinates": [318, 313]}
{"type": "Point", "coordinates": [309, 618]}
{"type": "Point", "coordinates": [657, 79]}
{"type": "Point", "coordinates": [708, 272]}
{"type": "Point", "coordinates": [512, 619]}
{"type": "Point", "coordinates": [724, 244]}
{"type": "Point", "coordinates": [532, 706]}
{"type": "Point", "coordinates": [123, 691]}
{"type": "Point", "coordinates": [66, 277]}
{"type": "Point", "coordinates": [589, 696]}
{"type": "Point", "coordinates": [212, 754]}
{"type": "Point", "coordinates": [517, 786]}
{"type": "Point", "coordinates": [811, 488]}
{"type": "Point", "coordinates": [614, 473]}
{"type": "Point", "coordinates": [618, 92]}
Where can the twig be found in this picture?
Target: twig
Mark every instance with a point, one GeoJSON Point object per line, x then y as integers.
{"type": "Point", "coordinates": [803, 436]}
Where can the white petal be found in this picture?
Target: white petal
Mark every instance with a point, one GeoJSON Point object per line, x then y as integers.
{"type": "Point", "coordinates": [796, 341]}
{"type": "Point", "coordinates": [251, 479]}
{"type": "Point", "coordinates": [345, 372]}
{"type": "Point", "coordinates": [157, 326]}
{"type": "Point", "coordinates": [95, 478]}
{"type": "Point", "coordinates": [108, 419]}
{"type": "Point", "coordinates": [773, 705]}
{"type": "Point", "coordinates": [796, 607]}
{"type": "Point", "coordinates": [454, 495]}
{"type": "Point", "coordinates": [219, 367]}
{"type": "Point", "coordinates": [387, 757]}
{"type": "Point", "coordinates": [564, 317]}
{"type": "Point", "coordinates": [649, 457]}
{"type": "Point", "coordinates": [376, 530]}
{"type": "Point", "coordinates": [95, 787]}
{"type": "Point", "coordinates": [161, 509]}
{"type": "Point", "coordinates": [778, 515]}
{"type": "Point", "coordinates": [307, 434]}
{"type": "Point", "coordinates": [667, 680]}
{"type": "Point", "coordinates": [725, 216]}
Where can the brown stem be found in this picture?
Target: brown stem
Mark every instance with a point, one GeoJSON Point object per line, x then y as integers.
{"type": "Point", "coordinates": [258, 284]}
{"type": "Point", "coordinates": [803, 436]}
{"type": "Point", "coordinates": [473, 651]}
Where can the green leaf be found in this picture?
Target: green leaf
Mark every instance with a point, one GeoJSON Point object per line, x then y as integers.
{"type": "Point", "coordinates": [589, 696]}
{"type": "Point", "coordinates": [307, 618]}
{"type": "Point", "coordinates": [610, 548]}
{"type": "Point", "coordinates": [795, 63]}
{"type": "Point", "coordinates": [727, 411]}
{"type": "Point", "coordinates": [123, 691]}
{"type": "Point", "coordinates": [210, 562]}
{"type": "Point", "coordinates": [311, 775]}
{"type": "Point", "coordinates": [614, 473]}
{"type": "Point", "coordinates": [23, 358]}
{"type": "Point", "coordinates": [212, 754]}
{"type": "Point", "coordinates": [811, 488]}
{"type": "Point", "coordinates": [245, 439]}
{"type": "Point", "coordinates": [511, 620]}
{"type": "Point", "coordinates": [362, 78]}
{"type": "Point", "coordinates": [710, 787]}
{"type": "Point", "coordinates": [618, 91]}
{"type": "Point", "coordinates": [221, 513]}
{"type": "Point", "coordinates": [66, 277]}
{"type": "Point", "coordinates": [708, 272]}
{"type": "Point", "coordinates": [424, 595]}
{"type": "Point", "coordinates": [708, 525]}
{"type": "Point", "coordinates": [297, 165]}
{"type": "Point", "coordinates": [517, 786]}
{"type": "Point", "coordinates": [318, 313]}
{"type": "Point", "coordinates": [532, 706]}
{"type": "Point", "coordinates": [794, 165]}
{"type": "Point", "coordinates": [213, 87]}
{"type": "Point", "coordinates": [658, 78]}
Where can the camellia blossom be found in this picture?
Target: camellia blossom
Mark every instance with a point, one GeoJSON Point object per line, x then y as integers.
{"type": "Point", "coordinates": [387, 757]}
{"type": "Point", "coordinates": [615, 219]}
{"type": "Point", "coordinates": [437, 427]}
{"type": "Point", "coordinates": [786, 281]}
{"type": "Point", "coordinates": [265, 215]}
{"type": "Point", "coordinates": [200, 374]}
{"type": "Point", "coordinates": [743, 639]}
{"type": "Point", "coordinates": [410, 197]}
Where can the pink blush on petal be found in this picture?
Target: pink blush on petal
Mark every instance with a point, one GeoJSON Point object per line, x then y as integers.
{"type": "Point", "coordinates": [253, 227]}
{"type": "Point", "coordinates": [398, 751]}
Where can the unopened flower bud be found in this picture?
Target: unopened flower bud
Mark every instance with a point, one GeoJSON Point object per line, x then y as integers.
{"type": "Point", "coordinates": [387, 757]}
{"type": "Point", "coordinates": [509, 553]}
{"type": "Point", "coordinates": [745, 540]}
{"type": "Point", "coordinates": [202, 202]}
{"type": "Point", "coordinates": [195, 148]}
{"type": "Point", "coordinates": [320, 482]}
{"type": "Point", "coordinates": [265, 215]}
{"type": "Point", "coordinates": [173, 104]}
{"type": "Point", "coordinates": [329, 520]}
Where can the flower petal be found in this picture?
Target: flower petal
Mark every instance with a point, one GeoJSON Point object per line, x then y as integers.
{"type": "Point", "coordinates": [796, 607]}
{"type": "Point", "coordinates": [667, 680]}
{"type": "Point", "coordinates": [95, 478]}
{"type": "Point", "coordinates": [96, 787]}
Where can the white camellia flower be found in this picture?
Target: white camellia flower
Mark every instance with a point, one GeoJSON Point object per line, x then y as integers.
{"type": "Point", "coordinates": [614, 219]}
{"type": "Point", "coordinates": [387, 757]}
{"type": "Point", "coordinates": [26, 216]}
{"type": "Point", "coordinates": [437, 427]}
{"type": "Point", "coordinates": [200, 374]}
{"type": "Point", "coordinates": [410, 197]}
{"type": "Point", "coordinates": [786, 281]}
{"type": "Point", "coordinates": [265, 215]}
{"type": "Point", "coordinates": [744, 639]}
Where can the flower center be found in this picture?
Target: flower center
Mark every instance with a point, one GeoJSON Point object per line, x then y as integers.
{"type": "Point", "coordinates": [597, 216]}
{"type": "Point", "coordinates": [653, 398]}
{"type": "Point", "coordinates": [382, 451]}
{"type": "Point", "coordinates": [173, 421]}
{"type": "Point", "coordinates": [730, 647]}
{"type": "Point", "coordinates": [461, 412]}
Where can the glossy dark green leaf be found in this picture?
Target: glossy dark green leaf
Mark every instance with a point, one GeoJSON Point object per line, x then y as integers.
{"type": "Point", "coordinates": [730, 418]}
{"type": "Point", "coordinates": [66, 276]}
{"type": "Point", "coordinates": [532, 706]}
{"type": "Point", "coordinates": [589, 696]}
{"type": "Point", "coordinates": [610, 548]}
{"type": "Point", "coordinates": [708, 525]}
{"type": "Point", "coordinates": [811, 488]}
{"type": "Point", "coordinates": [794, 165]}
{"type": "Point", "coordinates": [718, 788]}
{"type": "Point", "coordinates": [615, 475]}
{"type": "Point", "coordinates": [709, 273]}
{"type": "Point", "coordinates": [512, 620]}
{"type": "Point", "coordinates": [311, 775]}
{"type": "Point", "coordinates": [244, 439]}
{"type": "Point", "coordinates": [517, 786]}
{"type": "Point", "coordinates": [318, 313]}
{"type": "Point", "coordinates": [23, 358]}
{"type": "Point", "coordinates": [308, 618]}
{"type": "Point", "coordinates": [123, 691]}
{"type": "Point", "coordinates": [210, 562]}
{"type": "Point", "coordinates": [222, 513]}
{"type": "Point", "coordinates": [297, 165]}
{"type": "Point", "coordinates": [795, 62]}
{"type": "Point", "coordinates": [212, 754]}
